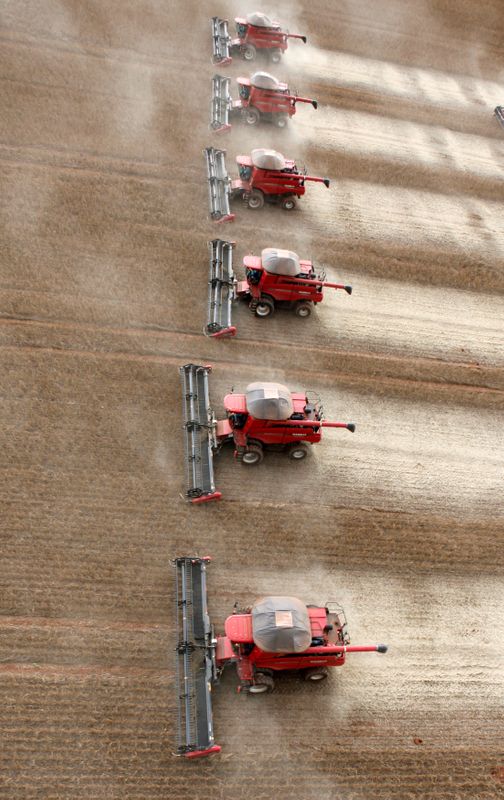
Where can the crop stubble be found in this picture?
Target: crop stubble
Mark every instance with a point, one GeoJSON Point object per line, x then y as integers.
{"type": "Point", "coordinates": [103, 286]}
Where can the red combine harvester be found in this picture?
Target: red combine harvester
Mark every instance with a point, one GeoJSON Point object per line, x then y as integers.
{"type": "Point", "coordinates": [274, 635]}
{"type": "Point", "coordinates": [275, 279]}
{"type": "Point", "coordinates": [256, 33]}
{"type": "Point", "coordinates": [499, 113]}
{"type": "Point", "coordinates": [262, 98]}
{"type": "Point", "coordinates": [266, 416]}
{"type": "Point", "coordinates": [265, 177]}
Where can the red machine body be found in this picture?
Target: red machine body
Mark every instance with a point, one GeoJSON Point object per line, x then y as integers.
{"type": "Point", "coordinates": [276, 105]}
{"type": "Point", "coordinates": [252, 435]}
{"type": "Point", "coordinates": [256, 34]}
{"type": "Point", "coordinates": [271, 38]}
{"type": "Point", "coordinates": [281, 183]}
{"type": "Point", "coordinates": [329, 645]}
{"type": "Point", "coordinates": [267, 289]}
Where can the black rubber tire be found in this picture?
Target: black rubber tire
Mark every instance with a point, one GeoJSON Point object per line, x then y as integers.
{"type": "Point", "coordinates": [251, 115]}
{"type": "Point", "coordinates": [303, 309]}
{"type": "Point", "coordinates": [315, 674]}
{"type": "Point", "coordinates": [275, 55]}
{"type": "Point", "coordinates": [255, 452]}
{"type": "Point", "coordinates": [288, 203]}
{"type": "Point", "coordinates": [255, 200]}
{"type": "Point", "coordinates": [295, 449]}
{"type": "Point", "coordinates": [281, 120]}
{"type": "Point", "coordinates": [249, 52]}
{"type": "Point", "coordinates": [262, 684]}
{"type": "Point", "coordinates": [265, 307]}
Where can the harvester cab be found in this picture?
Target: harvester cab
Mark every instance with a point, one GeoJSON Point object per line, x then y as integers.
{"type": "Point", "coordinates": [266, 416]}
{"type": "Point", "coordinates": [277, 633]}
{"type": "Point", "coordinates": [276, 279]}
{"type": "Point", "coordinates": [256, 34]}
{"type": "Point", "coordinates": [499, 113]}
{"type": "Point", "coordinates": [261, 98]}
{"type": "Point", "coordinates": [264, 177]}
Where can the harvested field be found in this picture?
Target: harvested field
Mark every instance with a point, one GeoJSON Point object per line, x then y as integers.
{"type": "Point", "coordinates": [103, 284]}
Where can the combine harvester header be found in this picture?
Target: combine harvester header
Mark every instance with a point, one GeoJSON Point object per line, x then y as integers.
{"type": "Point", "coordinates": [275, 634]}
{"type": "Point", "coordinates": [256, 33]}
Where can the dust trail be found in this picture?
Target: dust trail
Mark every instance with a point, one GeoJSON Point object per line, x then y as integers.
{"type": "Point", "coordinates": [372, 212]}
{"type": "Point", "coordinates": [369, 136]}
{"type": "Point", "coordinates": [393, 80]}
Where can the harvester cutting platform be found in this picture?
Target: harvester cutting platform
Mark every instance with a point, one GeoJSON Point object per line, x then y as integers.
{"type": "Point", "coordinates": [261, 98]}
{"type": "Point", "coordinates": [265, 416]}
{"type": "Point", "coordinates": [275, 634]}
{"type": "Point", "coordinates": [275, 279]}
{"type": "Point", "coordinates": [499, 113]}
{"type": "Point", "coordinates": [265, 177]}
{"type": "Point", "coordinates": [256, 34]}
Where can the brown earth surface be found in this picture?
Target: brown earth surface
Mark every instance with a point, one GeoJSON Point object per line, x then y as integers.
{"type": "Point", "coordinates": [103, 269]}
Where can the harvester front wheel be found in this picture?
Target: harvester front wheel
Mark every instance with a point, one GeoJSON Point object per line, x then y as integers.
{"type": "Point", "coordinates": [249, 52]}
{"type": "Point", "coordinates": [298, 451]}
{"type": "Point", "coordinates": [315, 674]}
{"type": "Point", "coordinates": [302, 309]}
{"type": "Point", "coordinates": [255, 199]}
{"type": "Point", "coordinates": [288, 203]}
{"type": "Point", "coordinates": [253, 455]}
{"type": "Point", "coordinates": [265, 307]}
{"type": "Point", "coordinates": [262, 683]}
{"type": "Point", "coordinates": [275, 55]}
{"type": "Point", "coordinates": [281, 120]}
{"type": "Point", "coordinates": [251, 115]}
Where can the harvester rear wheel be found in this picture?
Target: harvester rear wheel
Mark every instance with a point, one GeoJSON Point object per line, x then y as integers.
{"type": "Point", "coordinates": [253, 455]}
{"type": "Point", "coordinates": [249, 52]}
{"type": "Point", "coordinates": [303, 309]}
{"type": "Point", "coordinates": [288, 203]}
{"type": "Point", "coordinates": [315, 674]}
{"type": "Point", "coordinates": [275, 55]}
{"type": "Point", "coordinates": [251, 115]}
{"type": "Point", "coordinates": [265, 307]}
{"type": "Point", "coordinates": [255, 199]}
{"type": "Point", "coordinates": [281, 120]}
{"type": "Point", "coordinates": [298, 451]}
{"type": "Point", "coordinates": [262, 683]}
